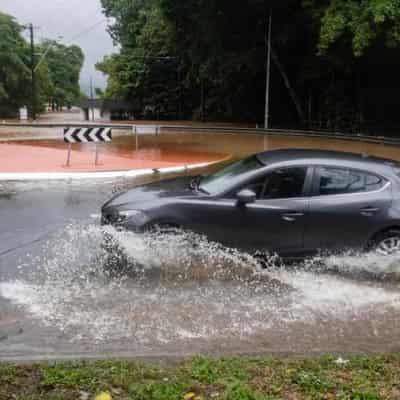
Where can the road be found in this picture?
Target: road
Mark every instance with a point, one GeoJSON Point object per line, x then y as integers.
{"type": "Point", "coordinates": [32, 215]}
{"type": "Point", "coordinates": [56, 300]}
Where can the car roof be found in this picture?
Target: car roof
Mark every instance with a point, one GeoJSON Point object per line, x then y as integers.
{"type": "Point", "coordinates": [327, 157]}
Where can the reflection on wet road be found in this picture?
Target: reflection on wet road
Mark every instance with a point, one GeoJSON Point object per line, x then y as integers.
{"type": "Point", "coordinates": [180, 293]}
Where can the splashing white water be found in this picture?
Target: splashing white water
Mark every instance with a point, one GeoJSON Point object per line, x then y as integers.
{"type": "Point", "coordinates": [184, 287]}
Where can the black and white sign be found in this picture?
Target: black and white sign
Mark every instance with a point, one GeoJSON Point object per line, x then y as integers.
{"type": "Point", "coordinates": [87, 135]}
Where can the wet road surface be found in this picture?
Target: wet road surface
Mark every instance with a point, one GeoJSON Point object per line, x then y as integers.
{"type": "Point", "coordinates": [182, 294]}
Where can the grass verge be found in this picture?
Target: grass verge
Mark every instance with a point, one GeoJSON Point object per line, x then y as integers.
{"type": "Point", "coordinates": [238, 378]}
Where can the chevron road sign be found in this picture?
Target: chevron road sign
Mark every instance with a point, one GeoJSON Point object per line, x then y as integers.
{"type": "Point", "coordinates": [87, 135]}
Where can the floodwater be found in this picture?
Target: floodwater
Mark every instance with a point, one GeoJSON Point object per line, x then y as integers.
{"type": "Point", "coordinates": [181, 139]}
{"type": "Point", "coordinates": [179, 293]}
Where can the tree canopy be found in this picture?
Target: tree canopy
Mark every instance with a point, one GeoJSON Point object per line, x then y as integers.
{"type": "Point", "coordinates": [64, 65]}
{"type": "Point", "coordinates": [14, 67]}
{"type": "Point", "coordinates": [332, 60]}
{"type": "Point", "coordinates": [359, 23]}
{"type": "Point", "coordinates": [57, 77]}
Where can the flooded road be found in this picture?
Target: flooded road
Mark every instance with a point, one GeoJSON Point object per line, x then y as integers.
{"type": "Point", "coordinates": [180, 294]}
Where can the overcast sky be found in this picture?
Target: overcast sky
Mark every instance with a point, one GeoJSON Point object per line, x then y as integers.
{"type": "Point", "coordinates": [68, 18]}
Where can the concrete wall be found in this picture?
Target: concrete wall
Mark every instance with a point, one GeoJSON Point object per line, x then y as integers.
{"type": "Point", "coordinates": [95, 115]}
{"type": "Point", "coordinates": [106, 116]}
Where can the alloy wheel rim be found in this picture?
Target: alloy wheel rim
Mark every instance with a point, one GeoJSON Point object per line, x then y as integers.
{"type": "Point", "coordinates": [389, 246]}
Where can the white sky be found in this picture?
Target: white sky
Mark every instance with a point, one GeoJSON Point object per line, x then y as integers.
{"type": "Point", "coordinates": [67, 18]}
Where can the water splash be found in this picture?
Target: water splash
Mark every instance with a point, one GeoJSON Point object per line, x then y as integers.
{"type": "Point", "coordinates": [180, 287]}
{"type": "Point", "coordinates": [368, 265]}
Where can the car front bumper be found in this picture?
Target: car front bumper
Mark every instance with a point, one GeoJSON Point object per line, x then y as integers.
{"type": "Point", "coordinates": [111, 217]}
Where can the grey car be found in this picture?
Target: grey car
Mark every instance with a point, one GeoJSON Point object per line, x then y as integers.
{"type": "Point", "coordinates": [290, 202]}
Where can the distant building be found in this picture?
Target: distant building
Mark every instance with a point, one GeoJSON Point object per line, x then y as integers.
{"type": "Point", "coordinates": [99, 110]}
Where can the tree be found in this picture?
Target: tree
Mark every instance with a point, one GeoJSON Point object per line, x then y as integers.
{"type": "Point", "coordinates": [358, 44]}
{"type": "Point", "coordinates": [330, 59]}
{"type": "Point", "coordinates": [358, 23]}
{"type": "Point", "coordinates": [14, 70]}
{"type": "Point", "coordinates": [218, 48]}
{"type": "Point", "coordinates": [99, 92]}
{"type": "Point", "coordinates": [57, 76]}
{"type": "Point", "coordinates": [146, 70]}
{"type": "Point", "coordinates": [64, 64]}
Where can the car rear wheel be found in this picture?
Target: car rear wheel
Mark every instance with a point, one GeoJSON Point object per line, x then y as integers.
{"type": "Point", "coordinates": [387, 243]}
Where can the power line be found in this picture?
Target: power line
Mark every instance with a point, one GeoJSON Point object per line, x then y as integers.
{"type": "Point", "coordinates": [49, 47]}
{"type": "Point", "coordinates": [80, 34]}
{"type": "Point", "coordinates": [87, 30]}
{"type": "Point", "coordinates": [43, 56]}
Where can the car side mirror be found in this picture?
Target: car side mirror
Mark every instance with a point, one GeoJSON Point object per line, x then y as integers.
{"type": "Point", "coordinates": [246, 196]}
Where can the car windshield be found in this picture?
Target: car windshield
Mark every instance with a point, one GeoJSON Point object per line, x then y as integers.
{"type": "Point", "coordinates": [223, 179]}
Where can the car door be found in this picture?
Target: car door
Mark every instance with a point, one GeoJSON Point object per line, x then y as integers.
{"type": "Point", "coordinates": [274, 222]}
{"type": "Point", "coordinates": [345, 208]}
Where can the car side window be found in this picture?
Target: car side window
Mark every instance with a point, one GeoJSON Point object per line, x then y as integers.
{"type": "Point", "coordinates": [342, 181]}
{"type": "Point", "coordinates": [285, 183]}
{"type": "Point", "coordinates": [257, 186]}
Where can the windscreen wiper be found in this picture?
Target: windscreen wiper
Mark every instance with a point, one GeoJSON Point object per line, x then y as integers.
{"type": "Point", "coordinates": [195, 185]}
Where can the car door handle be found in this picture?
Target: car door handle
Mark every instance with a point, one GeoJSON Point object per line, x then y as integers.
{"type": "Point", "coordinates": [291, 216]}
{"type": "Point", "coordinates": [369, 211]}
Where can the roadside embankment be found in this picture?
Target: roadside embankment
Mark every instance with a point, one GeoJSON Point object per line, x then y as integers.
{"type": "Point", "coordinates": [241, 378]}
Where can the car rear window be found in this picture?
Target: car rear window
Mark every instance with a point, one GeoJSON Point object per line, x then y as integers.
{"type": "Point", "coordinates": [342, 181]}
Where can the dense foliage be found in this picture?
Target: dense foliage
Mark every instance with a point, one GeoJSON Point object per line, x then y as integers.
{"type": "Point", "coordinates": [57, 78]}
{"type": "Point", "coordinates": [334, 62]}
{"type": "Point", "coordinates": [64, 65]}
{"type": "Point", "coordinates": [14, 69]}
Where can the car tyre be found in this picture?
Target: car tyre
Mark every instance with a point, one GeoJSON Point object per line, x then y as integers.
{"type": "Point", "coordinates": [387, 242]}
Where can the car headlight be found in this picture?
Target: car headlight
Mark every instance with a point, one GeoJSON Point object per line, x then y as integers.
{"type": "Point", "coordinates": [138, 217]}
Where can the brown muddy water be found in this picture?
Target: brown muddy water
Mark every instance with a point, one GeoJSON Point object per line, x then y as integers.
{"type": "Point", "coordinates": [181, 294]}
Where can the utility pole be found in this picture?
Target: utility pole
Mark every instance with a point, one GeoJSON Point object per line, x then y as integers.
{"type": "Point", "coordinates": [91, 97]}
{"type": "Point", "coordinates": [33, 74]}
{"type": "Point", "coordinates": [268, 76]}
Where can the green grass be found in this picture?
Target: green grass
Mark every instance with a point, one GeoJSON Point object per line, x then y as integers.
{"type": "Point", "coordinates": [236, 378]}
